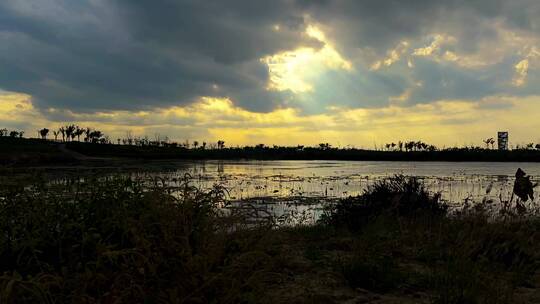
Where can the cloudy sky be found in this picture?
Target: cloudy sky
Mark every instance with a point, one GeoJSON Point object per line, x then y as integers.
{"type": "Point", "coordinates": [348, 72]}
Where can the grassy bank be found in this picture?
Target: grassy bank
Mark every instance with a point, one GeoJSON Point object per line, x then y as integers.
{"type": "Point", "coordinates": [29, 152]}
{"type": "Point", "coordinates": [303, 153]}
{"type": "Point", "coordinates": [122, 241]}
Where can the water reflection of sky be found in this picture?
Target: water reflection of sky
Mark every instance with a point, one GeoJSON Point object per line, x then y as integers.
{"type": "Point", "coordinates": [286, 186]}
{"type": "Point", "coordinates": [457, 181]}
{"type": "Point", "coordinates": [282, 186]}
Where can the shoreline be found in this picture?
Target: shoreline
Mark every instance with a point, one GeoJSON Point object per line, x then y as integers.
{"type": "Point", "coordinates": [15, 152]}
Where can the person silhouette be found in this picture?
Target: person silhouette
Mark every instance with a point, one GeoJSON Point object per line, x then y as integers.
{"type": "Point", "coordinates": [523, 187]}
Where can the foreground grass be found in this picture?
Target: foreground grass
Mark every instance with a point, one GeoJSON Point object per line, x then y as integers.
{"type": "Point", "coordinates": [120, 241]}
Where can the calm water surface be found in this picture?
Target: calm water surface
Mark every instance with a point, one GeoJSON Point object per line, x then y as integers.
{"type": "Point", "coordinates": [456, 181]}
{"type": "Point", "coordinates": [284, 187]}
{"type": "Point", "coordinates": [280, 185]}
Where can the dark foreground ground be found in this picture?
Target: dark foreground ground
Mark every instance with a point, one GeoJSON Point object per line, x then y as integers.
{"type": "Point", "coordinates": [123, 241]}
{"type": "Point", "coordinates": [36, 152]}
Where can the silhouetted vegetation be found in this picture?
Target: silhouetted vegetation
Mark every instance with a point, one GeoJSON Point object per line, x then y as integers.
{"type": "Point", "coordinates": [398, 196]}
{"type": "Point", "coordinates": [95, 143]}
{"type": "Point", "coordinates": [123, 240]}
{"type": "Point", "coordinates": [410, 146]}
{"type": "Point", "coordinates": [30, 152]}
{"type": "Point", "coordinates": [118, 240]}
{"type": "Point", "coordinates": [263, 152]}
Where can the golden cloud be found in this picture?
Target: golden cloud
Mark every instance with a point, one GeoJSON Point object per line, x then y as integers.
{"type": "Point", "coordinates": [445, 122]}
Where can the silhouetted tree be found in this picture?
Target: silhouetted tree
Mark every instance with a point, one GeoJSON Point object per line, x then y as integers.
{"type": "Point", "coordinates": [43, 133]}
{"type": "Point", "coordinates": [78, 132]}
{"type": "Point", "coordinates": [324, 146]}
{"type": "Point", "coordinates": [195, 144]}
{"type": "Point", "coordinates": [63, 131]}
{"type": "Point", "coordinates": [409, 145]}
{"type": "Point", "coordinates": [95, 136]}
{"type": "Point", "coordinates": [87, 132]}
{"type": "Point", "coordinates": [70, 129]}
{"type": "Point", "coordinates": [489, 141]}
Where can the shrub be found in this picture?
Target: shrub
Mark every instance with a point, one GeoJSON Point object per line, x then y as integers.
{"type": "Point", "coordinates": [395, 196]}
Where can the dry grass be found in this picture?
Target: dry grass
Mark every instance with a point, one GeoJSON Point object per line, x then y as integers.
{"type": "Point", "coordinates": [124, 241]}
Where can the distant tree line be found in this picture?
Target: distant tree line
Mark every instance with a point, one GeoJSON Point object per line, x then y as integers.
{"type": "Point", "coordinates": [13, 133]}
{"type": "Point", "coordinates": [409, 146]}
{"type": "Point", "coordinates": [72, 132]}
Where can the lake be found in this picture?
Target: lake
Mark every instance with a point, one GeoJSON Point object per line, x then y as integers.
{"type": "Point", "coordinates": [456, 181]}
{"type": "Point", "coordinates": [283, 187]}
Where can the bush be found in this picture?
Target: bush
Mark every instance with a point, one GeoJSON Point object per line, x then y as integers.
{"type": "Point", "coordinates": [395, 196]}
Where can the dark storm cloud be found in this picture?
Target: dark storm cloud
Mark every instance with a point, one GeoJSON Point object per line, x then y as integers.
{"type": "Point", "coordinates": [98, 55]}
{"type": "Point", "coordinates": [448, 82]}
{"type": "Point", "coordinates": [383, 24]}
{"type": "Point", "coordinates": [136, 54]}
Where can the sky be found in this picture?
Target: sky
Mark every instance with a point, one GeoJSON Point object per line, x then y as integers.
{"type": "Point", "coordinates": [348, 72]}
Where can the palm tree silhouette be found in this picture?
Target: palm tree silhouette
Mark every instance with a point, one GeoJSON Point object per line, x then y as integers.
{"type": "Point", "coordinates": [87, 133]}
{"type": "Point", "coordinates": [63, 131]}
{"type": "Point", "coordinates": [78, 132]}
{"type": "Point", "coordinates": [70, 132]}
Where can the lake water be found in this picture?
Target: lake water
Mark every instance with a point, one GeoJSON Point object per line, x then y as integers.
{"type": "Point", "coordinates": [456, 181]}
{"type": "Point", "coordinates": [286, 186]}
